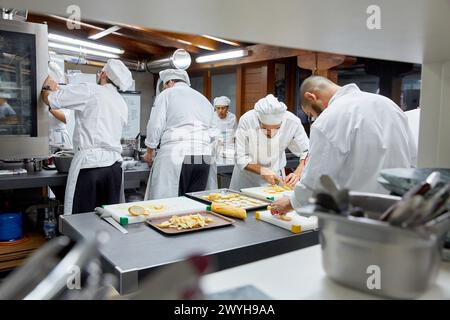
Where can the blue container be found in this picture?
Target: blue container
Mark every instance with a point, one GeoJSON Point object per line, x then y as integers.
{"type": "Point", "coordinates": [10, 226]}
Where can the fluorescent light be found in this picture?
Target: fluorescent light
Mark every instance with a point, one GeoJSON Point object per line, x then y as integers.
{"type": "Point", "coordinates": [222, 56]}
{"type": "Point", "coordinates": [82, 50]}
{"type": "Point", "coordinates": [204, 47]}
{"type": "Point", "coordinates": [104, 33]}
{"type": "Point", "coordinates": [222, 40]}
{"type": "Point", "coordinates": [184, 42]}
{"type": "Point", "coordinates": [87, 44]}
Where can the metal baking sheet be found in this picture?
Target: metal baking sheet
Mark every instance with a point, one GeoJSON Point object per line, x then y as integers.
{"type": "Point", "coordinates": [218, 221]}
{"type": "Point", "coordinates": [200, 194]}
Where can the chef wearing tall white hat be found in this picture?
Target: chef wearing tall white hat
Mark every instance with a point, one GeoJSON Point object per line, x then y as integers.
{"type": "Point", "coordinates": [224, 126]}
{"type": "Point", "coordinates": [95, 175]}
{"type": "Point", "coordinates": [180, 123]}
{"type": "Point", "coordinates": [262, 136]}
{"type": "Point", "coordinates": [223, 119]}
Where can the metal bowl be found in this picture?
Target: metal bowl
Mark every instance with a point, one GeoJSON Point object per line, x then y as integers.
{"type": "Point", "coordinates": [357, 250]}
{"type": "Point", "coordinates": [62, 162]}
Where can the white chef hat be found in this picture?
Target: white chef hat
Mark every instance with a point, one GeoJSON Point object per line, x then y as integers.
{"type": "Point", "coordinates": [222, 101]}
{"type": "Point", "coordinates": [173, 74]}
{"type": "Point", "coordinates": [270, 111]}
{"type": "Point", "coordinates": [118, 73]}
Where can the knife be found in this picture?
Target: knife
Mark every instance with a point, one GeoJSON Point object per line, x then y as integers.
{"type": "Point", "coordinates": [106, 215]}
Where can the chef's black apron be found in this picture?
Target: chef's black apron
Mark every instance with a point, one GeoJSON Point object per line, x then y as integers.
{"type": "Point", "coordinates": [194, 174]}
{"type": "Point", "coordinates": [96, 187]}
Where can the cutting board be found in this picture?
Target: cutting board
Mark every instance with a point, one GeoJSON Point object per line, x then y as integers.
{"type": "Point", "coordinates": [296, 225]}
{"type": "Point", "coordinates": [258, 192]}
{"type": "Point", "coordinates": [179, 205]}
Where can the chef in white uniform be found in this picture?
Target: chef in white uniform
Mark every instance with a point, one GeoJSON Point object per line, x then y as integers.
{"type": "Point", "coordinates": [355, 135]}
{"type": "Point", "coordinates": [262, 137]}
{"type": "Point", "coordinates": [224, 126]}
{"type": "Point", "coordinates": [180, 122]}
{"type": "Point", "coordinates": [223, 119]}
{"type": "Point", "coordinates": [95, 175]}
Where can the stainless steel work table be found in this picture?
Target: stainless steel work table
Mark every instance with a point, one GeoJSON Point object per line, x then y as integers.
{"type": "Point", "coordinates": [53, 178]}
{"type": "Point", "coordinates": [134, 255]}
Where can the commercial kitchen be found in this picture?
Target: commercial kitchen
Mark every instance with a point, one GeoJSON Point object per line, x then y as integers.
{"type": "Point", "coordinates": [196, 151]}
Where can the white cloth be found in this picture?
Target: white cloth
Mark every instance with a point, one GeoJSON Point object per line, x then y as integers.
{"type": "Point", "coordinates": [414, 123]}
{"type": "Point", "coordinates": [6, 111]}
{"type": "Point", "coordinates": [58, 135]}
{"type": "Point", "coordinates": [355, 137]}
{"type": "Point", "coordinates": [100, 114]}
{"type": "Point", "coordinates": [180, 122]}
{"type": "Point", "coordinates": [223, 131]}
{"type": "Point", "coordinates": [226, 124]}
{"type": "Point", "coordinates": [253, 146]}
{"type": "Point", "coordinates": [174, 74]}
{"type": "Point", "coordinates": [270, 111]}
{"type": "Point", "coordinates": [222, 101]}
{"type": "Point", "coordinates": [118, 73]}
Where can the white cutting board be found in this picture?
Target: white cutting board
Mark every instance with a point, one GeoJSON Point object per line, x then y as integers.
{"type": "Point", "coordinates": [180, 205]}
{"type": "Point", "coordinates": [296, 225]}
{"type": "Point", "coordinates": [258, 192]}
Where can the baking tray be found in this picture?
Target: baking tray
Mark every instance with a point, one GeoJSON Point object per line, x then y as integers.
{"type": "Point", "coordinates": [218, 221]}
{"type": "Point", "coordinates": [200, 194]}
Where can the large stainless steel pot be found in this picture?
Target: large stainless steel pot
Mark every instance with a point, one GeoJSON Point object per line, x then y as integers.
{"type": "Point", "coordinates": [357, 250]}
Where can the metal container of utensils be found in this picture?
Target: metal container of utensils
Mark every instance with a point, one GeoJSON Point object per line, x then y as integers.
{"type": "Point", "coordinates": [377, 257]}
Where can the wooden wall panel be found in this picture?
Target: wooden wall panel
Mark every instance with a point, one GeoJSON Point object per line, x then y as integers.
{"type": "Point", "coordinates": [254, 85]}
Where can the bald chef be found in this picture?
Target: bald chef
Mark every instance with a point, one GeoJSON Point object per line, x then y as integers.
{"type": "Point", "coordinates": [262, 137]}
{"type": "Point", "coordinates": [95, 175]}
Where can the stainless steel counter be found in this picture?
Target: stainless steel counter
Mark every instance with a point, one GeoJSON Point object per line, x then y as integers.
{"type": "Point", "coordinates": [53, 178]}
{"type": "Point", "coordinates": [132, 176]}
{"type": "Point", "coordinates": [134, 255]}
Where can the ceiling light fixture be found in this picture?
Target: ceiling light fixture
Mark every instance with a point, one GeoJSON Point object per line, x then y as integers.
{"type": "Point", "coordinates": [184, 42]}
{"type": "Point", "coordinates": [104, 33]}
{"type": "Point", "coordinates": [231, 43]}
{"type": "Point", "coordinates": [222, 56]}
{"type": "Point", "coordinates": [205, 47]}
{"type": "Point", "coordinates": [82, 50]}
{"type": "Point", "coordinates": [82, 43]}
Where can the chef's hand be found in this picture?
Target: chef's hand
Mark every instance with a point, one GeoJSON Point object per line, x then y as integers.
{"type": "Point", "coordinates": [270, 176]}
{"type": "Point", "coordinates": [51, 84]}
{"type": "Point", "coordinates": [148, 156]}
{"type": "Point", "coordinates": [281, 206]}
{"type": "Point", "coordinates": [292, 179]}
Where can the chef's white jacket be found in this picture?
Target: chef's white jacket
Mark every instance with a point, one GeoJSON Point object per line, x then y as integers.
{"type": "Point", "coordinates": [352, 140]}
{"type": "Point", "coordinates": [171, 121]}
{"type": "Point", "coordinates": [227, 124]}
{"type": "Point", "coordinates": [254, 147]}
{"type": "Point", "coordinates": [100, 114]}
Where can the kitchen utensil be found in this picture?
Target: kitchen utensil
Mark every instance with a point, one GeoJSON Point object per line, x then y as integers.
{"type": "Point", "coordinates": [436, 205]}
{"type": "Point", "coordinates": [341, 196]}
{"type": "Point", "coordinates": [63, 159]}
{"type": "Point", "coordinates": [218, 221]}
{"type": "Point", "coordinates": [297, 224]}
{"type": "Point", "coordinates": [246, 202]}
{"type": "Point", "coordinates": [260, 193]}
{"type": "Point", "coordinates": [107, 216]}
{"type": "Point", "coordinates": [405, 210]}
{"type": "Point", "coordinates": [327, 201]}
{"type": "Point", "coordinates": [420, 189]}
{"type": "Point", "coordinates": [352, 248]}
{"type": "Point", "coordinates": [171, 206]}
{"type": "Point", "coordinates": [329, 184]}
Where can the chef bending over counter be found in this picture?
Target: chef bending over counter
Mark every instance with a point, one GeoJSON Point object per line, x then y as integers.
{"type": "Point", "coordinates": [354, 136]}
